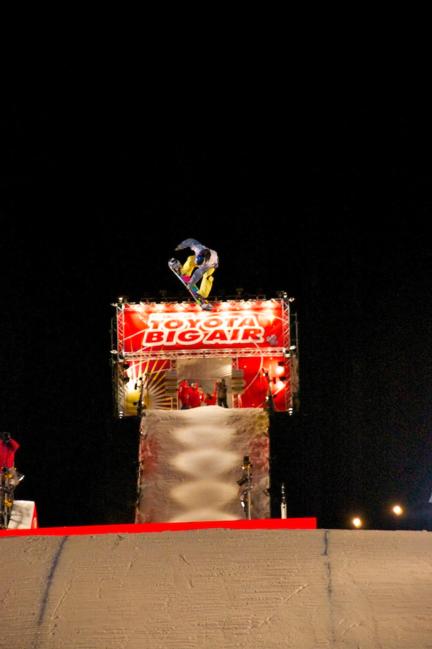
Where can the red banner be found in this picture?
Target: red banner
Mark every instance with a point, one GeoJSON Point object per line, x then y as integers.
{"type": "Point", "coordinates": [234, 325]}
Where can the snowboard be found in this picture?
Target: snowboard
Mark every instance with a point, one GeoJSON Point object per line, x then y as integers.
{"type": "Point", "coordinates": [175, 266]}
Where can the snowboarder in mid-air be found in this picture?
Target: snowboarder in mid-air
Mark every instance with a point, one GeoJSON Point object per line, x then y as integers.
{"type": "Point", "coordinates": [198, 267]}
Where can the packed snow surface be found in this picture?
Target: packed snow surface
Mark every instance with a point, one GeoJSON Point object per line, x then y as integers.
{"type": "Point", "coordinates": [218, 588]}
{"type": "Point", "coordinates": [191, 461]}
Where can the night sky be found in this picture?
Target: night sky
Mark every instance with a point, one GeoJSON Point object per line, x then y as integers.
{"type": "Point", "coordinates": [334, 209]}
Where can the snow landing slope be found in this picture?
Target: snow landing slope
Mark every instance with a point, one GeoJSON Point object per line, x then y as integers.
{"type": "Point", "coordinates": [218, 588]}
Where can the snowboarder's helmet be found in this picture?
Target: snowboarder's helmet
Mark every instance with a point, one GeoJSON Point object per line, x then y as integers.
{"type": "Point", "coordinates": [203, 256]}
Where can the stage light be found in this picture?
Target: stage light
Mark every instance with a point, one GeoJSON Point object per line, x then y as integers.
{"type": "Point", "coordinates": [397, 510]}
{"type": "Point", "coordinates": [280, 369]}
{"type": "Point", "coordinates": [357, 522]}
{"type": "Point", "coordinates": [268, 315]}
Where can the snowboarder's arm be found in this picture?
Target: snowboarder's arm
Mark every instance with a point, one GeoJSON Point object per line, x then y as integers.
{"type": "Point", "coordinates": [188, 243]}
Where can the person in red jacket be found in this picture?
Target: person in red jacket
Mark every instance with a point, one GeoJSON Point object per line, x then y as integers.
{"type": "Point", "coordinates": [195, 395]}
{"type": "Point", "coordinates": [210, 399]}
{"type": "Point", "coordinates": [8, 448]}
{"type": "Point", "coordinates": [184, 394]}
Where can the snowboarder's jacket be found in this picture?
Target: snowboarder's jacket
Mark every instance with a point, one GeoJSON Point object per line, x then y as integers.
{"type": "Point", "coordinates": [197, 248]}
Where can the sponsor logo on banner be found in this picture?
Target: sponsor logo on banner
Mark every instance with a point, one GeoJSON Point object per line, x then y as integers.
{"type": "Point", "coordinates": [152, 329]}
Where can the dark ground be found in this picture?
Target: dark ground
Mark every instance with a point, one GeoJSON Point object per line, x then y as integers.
{"type": "Point", "coordinates": [336, 212]}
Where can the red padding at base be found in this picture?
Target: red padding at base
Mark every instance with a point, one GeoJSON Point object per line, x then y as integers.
{"type": "Point", "coordinates": [144, 528]}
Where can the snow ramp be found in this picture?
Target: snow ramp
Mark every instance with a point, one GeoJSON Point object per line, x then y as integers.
{"type": "Point", "coordinates": [191, 464]}
{"type": "Point", "coordinates": [218, 588]}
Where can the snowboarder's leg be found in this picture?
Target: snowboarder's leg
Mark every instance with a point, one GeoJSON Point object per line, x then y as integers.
{"type": "Point", "coordinates": [188, 266]}
{"type": "Point", "coordinates": [206, 283]}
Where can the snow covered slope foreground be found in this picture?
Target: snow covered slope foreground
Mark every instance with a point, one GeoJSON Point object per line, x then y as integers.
{"type": "Point", "coordinates": [218, 588]}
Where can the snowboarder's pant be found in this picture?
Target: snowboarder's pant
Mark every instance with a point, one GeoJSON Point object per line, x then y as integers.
{"type": "Point", "coordinates": [206, 280]}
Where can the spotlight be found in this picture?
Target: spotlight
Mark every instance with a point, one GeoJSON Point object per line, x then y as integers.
{"type": "Point", "coordinates": [280, 369]}
{"type": "Point", "coordinates": [357, 522]}
{"type": "Point", "coordinates": [397, 510]}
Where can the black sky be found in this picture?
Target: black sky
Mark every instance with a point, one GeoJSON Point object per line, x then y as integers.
{"type": "Point", "coordinates": [333, 207]}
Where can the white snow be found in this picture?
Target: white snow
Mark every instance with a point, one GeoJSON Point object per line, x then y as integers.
{"type": "Point", "coordinates": [191, 460]}
{"type": "Point", "coordinates": [214, 588]}
{"type": "Point", "coordinates": [218, 588]}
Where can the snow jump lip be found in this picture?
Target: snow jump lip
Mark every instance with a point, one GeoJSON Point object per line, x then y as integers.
{"type": "Point", "coordinates": [308, 523]}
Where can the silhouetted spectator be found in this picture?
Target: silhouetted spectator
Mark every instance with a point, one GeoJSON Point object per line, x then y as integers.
{"type": "Point", "coordinates": [221, 390]}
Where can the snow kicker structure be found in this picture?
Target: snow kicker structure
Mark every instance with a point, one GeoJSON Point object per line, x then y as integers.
{"type": "Point", "coordinates": [192, 452]}
{"type": "Point", "coordinates": [218, 589]}
{"type": "Point", "coordinates": [190, 465]}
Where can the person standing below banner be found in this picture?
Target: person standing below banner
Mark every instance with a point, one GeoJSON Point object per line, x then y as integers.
{"type": "Point", "coordinates": [184, 394]}
{"type": "Point", "coordinates": [210, 399]}
{"type": "Point", "coordinates": [195, 395]}
{"type": "Point", "coordinates": [221, 389]}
